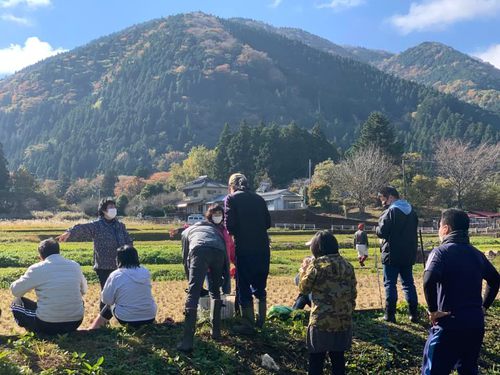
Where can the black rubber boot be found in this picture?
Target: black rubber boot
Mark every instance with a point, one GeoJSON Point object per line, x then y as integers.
{"type": "Point", "coordinates": [247, 326]}
{"type": "Point", "coordinates": [390, 313]}
{"type": "Point", "coordinates": [414, 313]}
{"type": "Point", "coordinates": [215, 310]}
{"type": "Point", "coordinates": [261, 311]}
{"type": "Point", "coordinates": [186, 345]}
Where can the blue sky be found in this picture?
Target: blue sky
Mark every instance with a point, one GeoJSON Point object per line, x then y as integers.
{"type": "Point", "coordinates": [34, 29]}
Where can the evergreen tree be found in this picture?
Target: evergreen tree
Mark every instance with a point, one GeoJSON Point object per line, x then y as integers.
{"type": "Point", "coordinates": [23, 181]}
{"type": "Point", "coordinates": [378, 132]}
{"type": "Point", "coordinates": [108, 183]}
{"type": "Point", "coordinates": [121, 204]}
{"type": "Point", "coordinates": [239, 153]}
{"type": "Point", "coordinates": [62, 186]}
{"type": "Point", "coordinates": [222, 164]}
{"type": "Point", "coordinates": [4, 172]}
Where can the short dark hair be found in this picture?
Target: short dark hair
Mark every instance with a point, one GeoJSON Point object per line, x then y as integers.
{"type": "Point", "coordinates": [127, 257]}
{"type": "Point", "coordinates": [456, 219]}
{"type": "Point", "coordinates": [103, 205]}
{"type": "Point", "coordinates": [212, 209]}
{"type": "Point", "coordinates": [386, 191]}
{"type": "Point", "coordinates": [48, 247]}
{"type": "Point", "coordinates": [324, 243]}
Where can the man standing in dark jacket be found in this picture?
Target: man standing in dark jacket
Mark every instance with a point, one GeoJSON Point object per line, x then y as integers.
{"type": "Point", "coordinates": [397, 228]}
{"type": "Point", "coordinates": [453, 281]}
{"type": "Point", "coordinates": [247, 219]}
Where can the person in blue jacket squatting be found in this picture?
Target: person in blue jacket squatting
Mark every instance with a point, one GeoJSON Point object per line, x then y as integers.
{"type": "Point", "coordinates": [453, 280]}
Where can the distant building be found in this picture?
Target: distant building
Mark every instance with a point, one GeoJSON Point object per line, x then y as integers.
{"type": "Point", "coordinates": [199, 194]}
{"type": "Point", "coordinates": [283, 199]}
{"type": "Point", "coordinates": [484, 219]}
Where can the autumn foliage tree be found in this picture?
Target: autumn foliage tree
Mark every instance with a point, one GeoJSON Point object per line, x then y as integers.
{"type": "Point", "coordinates": [467, 168]}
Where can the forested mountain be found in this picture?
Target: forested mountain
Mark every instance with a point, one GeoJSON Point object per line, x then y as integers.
{"type": "Point", "coordinates": [357, 53]}
{"type": "Point", "coordinates": [449, 71]}
{"type": "Point", "coordinates": [125, 100]}
{"type": "Point", "coordinates": [430, 63]}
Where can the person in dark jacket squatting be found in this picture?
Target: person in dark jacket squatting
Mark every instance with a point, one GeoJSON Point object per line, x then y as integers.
{"type": "Point", "coordinates": [248, 219]}
{"type": "Point", "coordinates": [204, 253]}
{"type": "Point", "coordinates": [453, 281]}
{"type": "Point", "coordinates": [108, 235]}
{"type": "Point", "coordinates": [397, 228]}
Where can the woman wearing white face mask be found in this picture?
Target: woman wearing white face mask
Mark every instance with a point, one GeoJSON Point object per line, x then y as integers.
{"type": "Point", "coordinates": [204, 255]}
{"type": "Point", "coordinates": [107, 233]}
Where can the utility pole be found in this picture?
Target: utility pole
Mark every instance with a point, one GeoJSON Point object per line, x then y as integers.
{"type": "Point", "coordinates": [306, 188]}
{"type": "Point", "coordinates": [404, 177]}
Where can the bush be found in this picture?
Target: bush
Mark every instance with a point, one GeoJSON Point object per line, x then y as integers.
{"type": "Point", "coordinates": [89, 207]}
{"type": "Point", "coordinates": [70, 216]}
{"type": "Point", "coordinates": [121, 204]}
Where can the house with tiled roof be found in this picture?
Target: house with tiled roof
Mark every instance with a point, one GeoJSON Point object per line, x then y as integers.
{"type": "Point", "coordinates": [199, 194]}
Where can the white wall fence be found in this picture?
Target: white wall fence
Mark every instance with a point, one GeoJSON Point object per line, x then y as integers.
{"type": "Point", "coordinates": [369, 228]}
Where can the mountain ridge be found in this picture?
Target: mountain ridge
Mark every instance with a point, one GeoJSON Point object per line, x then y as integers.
{"type": "Point", "coordinates": [124, 100]}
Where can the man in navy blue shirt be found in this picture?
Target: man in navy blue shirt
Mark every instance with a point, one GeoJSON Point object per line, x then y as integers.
{"type": "Point", "coordinates": [453, 279]}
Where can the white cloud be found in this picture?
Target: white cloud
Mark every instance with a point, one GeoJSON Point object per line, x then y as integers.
{"type": "Point", "coordinates": [16, 57]}
{"type": "Point", "coordinates": [19, 20]}
{"type": "Point", "coordinates": [491, 55]}
{"type": "Point", "coordinates": [29, 3]}
{"type": "Point", "coordinates": [437, 14]}
{"type": "Point", "coordinates": [341, 4]}
{"type": "Point", "coordinates": [275, 3]}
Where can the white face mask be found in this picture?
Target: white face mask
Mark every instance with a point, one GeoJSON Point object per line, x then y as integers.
{"type": "Point", "coordinates": [110, 213]}
{"type": "Point", "coordinates": [217, 219]}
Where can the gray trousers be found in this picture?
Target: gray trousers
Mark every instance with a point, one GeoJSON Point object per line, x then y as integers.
{"type": "Point", "coordinates": [201, 262]}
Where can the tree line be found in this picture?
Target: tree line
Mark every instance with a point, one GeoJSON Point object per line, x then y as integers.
{"type": "Point", "coordinates": [455, 174]}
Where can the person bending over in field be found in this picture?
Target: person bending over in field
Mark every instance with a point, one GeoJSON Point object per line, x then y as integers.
{"type": "Point", "coordinates": [108, 235]}
{"type": "Point", "coordinates": [331, 281]}
{"type": "Point", "coordinates": [204, 253]}
{"type": "Point", "coordinates": [127, 293]}
{"type": "Point", "coordinates": [59, 285]}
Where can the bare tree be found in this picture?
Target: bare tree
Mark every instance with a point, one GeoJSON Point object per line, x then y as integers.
{"type": "Point", "coordinates": [362, 175]}
{"type": "Point", "coordinates": [466, 167]}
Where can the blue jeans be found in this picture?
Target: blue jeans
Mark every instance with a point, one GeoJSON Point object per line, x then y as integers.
{"type": "Point", "coordinates": [251, 277]}
{"type": "Point", "coordinates": [448, 349]}
{"type": "Point", "coordinates": [391, 274]}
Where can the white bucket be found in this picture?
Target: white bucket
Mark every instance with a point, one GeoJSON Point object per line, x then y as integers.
{"type": "Point", "coordinates": [227, 310]}
{"type": "Point", "coordinates": [204, 303]}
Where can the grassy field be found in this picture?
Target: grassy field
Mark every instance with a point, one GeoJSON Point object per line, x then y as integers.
{"type": "Point", "coordinates": [379, 348]}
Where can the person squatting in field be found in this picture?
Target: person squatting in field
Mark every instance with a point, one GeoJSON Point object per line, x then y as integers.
{"type": "Point", "coordinates": [127, 293]}
{"type": "Point", "coordinates": [107, 233]}
{"type": "Point", "coordinates": [204, 253]}
{"type": "Point", "coordinates": [59, 285]}
{"type": "Point", "coordinates": [331, 282]}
